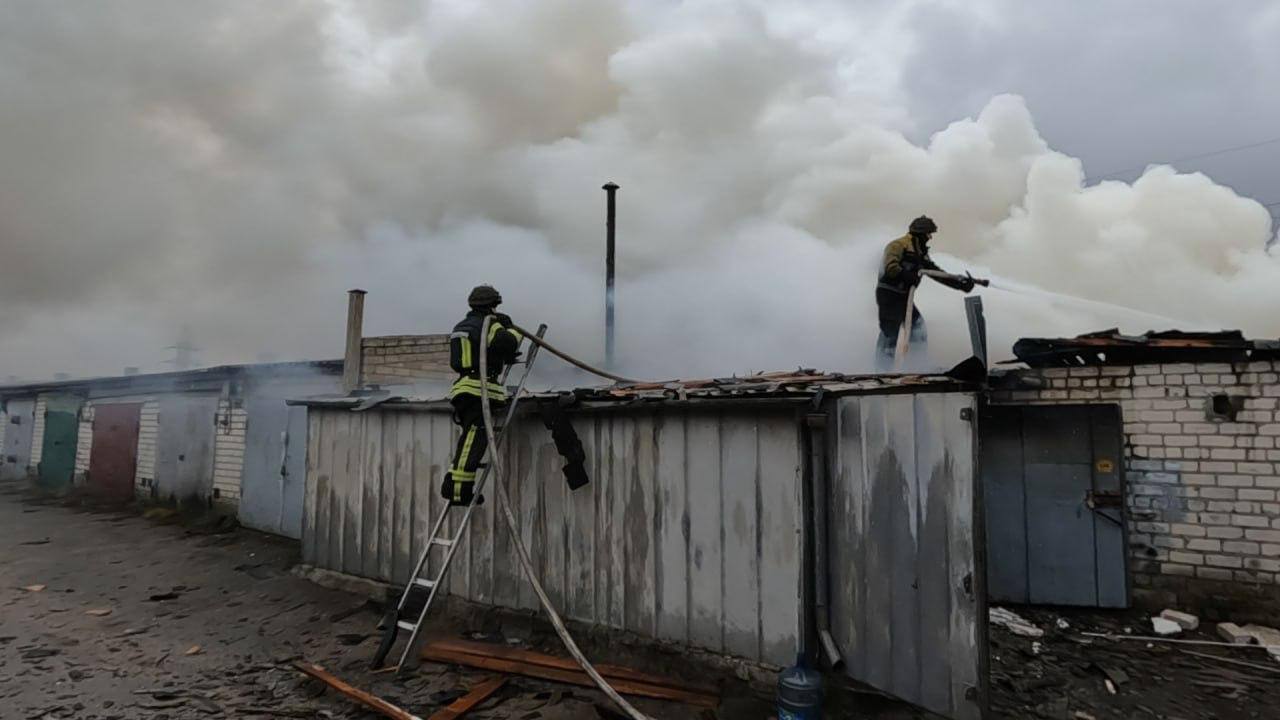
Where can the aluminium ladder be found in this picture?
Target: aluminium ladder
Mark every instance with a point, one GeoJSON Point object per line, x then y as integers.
{"type": "Point", "coordinates": [394, 622]}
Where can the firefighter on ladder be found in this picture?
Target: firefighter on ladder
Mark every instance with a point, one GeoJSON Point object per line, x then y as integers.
{"type": "Point", "coordinates": [906, 261]}
{"type": "Point", "coordinates": [464, 350]}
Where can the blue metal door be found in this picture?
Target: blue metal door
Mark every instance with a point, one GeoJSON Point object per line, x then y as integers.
{"type": "Point", "coordinates": [1053, 499]}
{"type": "Point", "coordinates": [274, 466]}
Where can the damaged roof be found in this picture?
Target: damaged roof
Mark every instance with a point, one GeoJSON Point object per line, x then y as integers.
{"type": "Point", "coordinates": [799, 384]}
{"type": "Point", "coordinates": [1110, 347]}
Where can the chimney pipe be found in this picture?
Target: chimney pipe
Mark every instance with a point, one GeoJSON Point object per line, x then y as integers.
{"type": "Point", "coordinates": [352, 360]}
{"type": "Point", "coordinates": [611, 193]}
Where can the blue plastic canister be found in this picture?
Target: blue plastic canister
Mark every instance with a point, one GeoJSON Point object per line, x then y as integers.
{"type": "Point", "coordinates": [799, 693]}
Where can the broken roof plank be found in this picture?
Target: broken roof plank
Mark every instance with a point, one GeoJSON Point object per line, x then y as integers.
{"type": "Point", "coordinates": [373, 702]}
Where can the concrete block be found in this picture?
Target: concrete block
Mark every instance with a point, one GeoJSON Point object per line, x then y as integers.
{"type": "Point", "coordinates": [1261, 535]}
{"type": "Point", "coordinates": [1213, 573]}
{"type": "Point", "coordinates": [1234, 634]}
{"type": "Point", "coordinates": [1186, 621]}
{"type": "Point", "coordinates": [1250, 521]}
{"type": "Point", "coordinates": [1164, 627]}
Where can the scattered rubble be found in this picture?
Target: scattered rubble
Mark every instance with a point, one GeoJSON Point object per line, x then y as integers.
{"type": "Point", "coordinates": [1186, 621]}
{"type": "Point", "coordinates": [1095, 670]}
{"type": "Point", "coordinates": [1233, 633]}
{"type": "Point", "coordinates": [1010, 621]}
{"type": "Point", "coordinates": [1165, 627]}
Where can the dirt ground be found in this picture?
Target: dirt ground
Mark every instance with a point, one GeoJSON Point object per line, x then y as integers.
{"type": "Point", "coordinates": [139, 619]}
{"type": "Point", "coordinates": [127, 617]}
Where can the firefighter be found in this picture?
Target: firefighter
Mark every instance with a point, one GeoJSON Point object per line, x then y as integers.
{"type": "Point", "coordinates": [464, 358]}
{"type": "Point", "coordinates": [905, 259]}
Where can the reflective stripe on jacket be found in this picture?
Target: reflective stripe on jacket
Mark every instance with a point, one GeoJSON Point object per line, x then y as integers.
{"type": "Point", "coordinates": [464, 354]}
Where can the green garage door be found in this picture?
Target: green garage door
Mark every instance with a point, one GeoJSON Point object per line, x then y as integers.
{"type": "Point", "coordinates": [58, 451]}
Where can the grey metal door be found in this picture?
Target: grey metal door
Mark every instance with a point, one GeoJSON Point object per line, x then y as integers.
{"type": "Point", "coordinates": [274, 466]}
{"type": "Point", "coordinates": [21, 415]}
{"type": "Point", "coordinates": [1054, 498]}
{"type": "Point", "coordinates": [184, 456]}
{"type": "Point", "coordinates": [907, 598]}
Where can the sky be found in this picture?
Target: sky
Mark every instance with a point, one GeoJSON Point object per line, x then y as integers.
{"type": "Point", "coordinates": [228, 170]}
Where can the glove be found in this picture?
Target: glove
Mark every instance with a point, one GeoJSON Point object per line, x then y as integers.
{"type": "Point", "coordinates": [911, 265]}
{"type": "Point", "coordinates": [967, 283]}
{"type": "Point", "coordinates": [461, 492]}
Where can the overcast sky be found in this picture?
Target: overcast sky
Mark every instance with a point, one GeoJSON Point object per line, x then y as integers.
{"type": "Point", "coordinates": [233, 167]}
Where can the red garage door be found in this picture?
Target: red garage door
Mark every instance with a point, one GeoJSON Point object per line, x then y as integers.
{"type": "Point", "coordinates": [113, 458]}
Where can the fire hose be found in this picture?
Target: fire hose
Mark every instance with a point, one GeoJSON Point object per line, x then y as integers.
{"type": "Point", "coordinates": [533, 338]}
{"type": "Point", "coordinates": [504, 502]}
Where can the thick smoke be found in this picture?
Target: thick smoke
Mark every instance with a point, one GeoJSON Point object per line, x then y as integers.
{"type": "Point", "coordinates": [234, 167]}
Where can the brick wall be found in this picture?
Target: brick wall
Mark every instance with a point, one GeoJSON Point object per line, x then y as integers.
{"type": "Point", "coordinates": [37, 432]}
{"type": "Point", "coordinates": [228, 450]}
{"type": "Point", "coordinates": [1204, 517]}
{"type": "Point", "coordinates": [148, 436]}
{"type": "Point", "coordinates": [405, 359]}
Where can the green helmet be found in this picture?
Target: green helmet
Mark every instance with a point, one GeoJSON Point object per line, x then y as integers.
{"type": "Point", "coordinates": [484, 296]}
{"type": "Point", "coordinates": [923, 225]}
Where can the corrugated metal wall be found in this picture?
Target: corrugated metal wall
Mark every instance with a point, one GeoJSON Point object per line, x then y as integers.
{"type": "Point", "coordinates": [907, 589]}
{"type": "Point", "coordinates": [690, 530]}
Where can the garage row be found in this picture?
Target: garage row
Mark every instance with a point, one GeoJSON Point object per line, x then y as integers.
{"type": "Point", "coordinates": [219, 437]}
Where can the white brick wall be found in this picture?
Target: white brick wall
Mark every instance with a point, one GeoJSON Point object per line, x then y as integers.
{"type": "Point", "coordinates": [37, 431]}
{"type": "Point", "coordinates": [1202, 491]}
{"type": "Point", "coordinates": [148, 432]}
{"type": "Point", "coordinates": [84, 440]}
{"type": "Point", "coordinates": [228, 449]}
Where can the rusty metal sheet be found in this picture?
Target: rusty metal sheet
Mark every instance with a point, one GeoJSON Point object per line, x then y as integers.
{"type": "Point", "coordinates": [113, 456]}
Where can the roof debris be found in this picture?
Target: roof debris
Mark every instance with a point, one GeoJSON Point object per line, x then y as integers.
{"type": "Point", "coordinates": [1110, 347]}
{"type": "Point", "coordinates": [794, 384]}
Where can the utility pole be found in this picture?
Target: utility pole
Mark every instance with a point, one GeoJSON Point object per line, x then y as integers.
{"type": "Point", "coordinates": [611, 193]}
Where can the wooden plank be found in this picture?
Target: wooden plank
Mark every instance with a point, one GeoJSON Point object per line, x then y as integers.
{"type": "Point", "coordinates": [401, 467]}
{"type": "Point", "coordinates": [553, 527]}
{"type": "Point", "coordinates": [936, 470]}
{"type": "Point", "coordinates": [319, 488]}
{"type": "Point", "coordinates": [622, 450]}
{"type": "Point", "coordinates": [672, 552]}
{"type": "Point", "coordinates": [480, 539]}
{"type": "Point", "coordinates": [739, 487]}
{"type": "Point", "coordinates": [508, 578]}
{"type": "Point", "coordinates": [604, 520]}
{"type": "Point", "coordinates": [468, 702]}
{"type": "Point", "coordinates": [968, 617]}
{"type": "Point", "coordinates": [308, 489]}
{"type": "Point", "coordinates": [370, 701]}
{"type": "Point", "coordinates": [569, 677]}
{"type": "Point", "coordinates": [531, 657]}
{"type": "Point", "coordinates": [638, 524]}
{"type": "Point", "coordinates": [781, 539]}
{"type": "Point", "coordinates": [426, 484]}
{"type": "Point", "coordinates": [386, 493]}
{"type": "Point", "coordinates": [345, 477]}
{"type": "Point", "coordinates": [581, 525]}
{"type": "Point", "coordinates": [371, 493]}
{"type": "Point", "coordinates": [526, 501]}
{"type": "Point", "coordinates": [706, 569]}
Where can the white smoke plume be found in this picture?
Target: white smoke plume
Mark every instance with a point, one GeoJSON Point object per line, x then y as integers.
{"type": "Point", "coordinates": [234, 167]}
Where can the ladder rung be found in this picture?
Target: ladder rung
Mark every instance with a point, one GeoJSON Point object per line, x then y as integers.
{"type": "Point", "coordinates": [423, 582]}
{"type": "Point", "coordinates": [443, 542]}
{"type": "Point", "coordinates": [405, 625]}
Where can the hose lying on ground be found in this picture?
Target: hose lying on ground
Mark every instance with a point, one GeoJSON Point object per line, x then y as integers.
{"type": "Point", "coordinates": [504, 502]}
